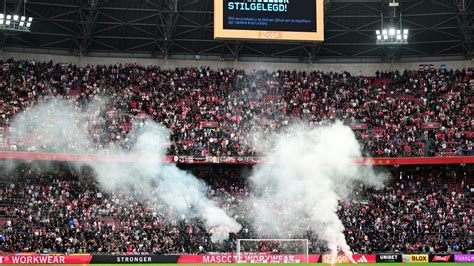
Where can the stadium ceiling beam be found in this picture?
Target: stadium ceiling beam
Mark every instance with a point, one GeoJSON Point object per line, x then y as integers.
{"type": "Point", "coordinates": [17, 9]}
{"type": "Point", "coordinates": [390, 52]}
{"type": "Point", "coordinates": [50, 44]}
{"type": "Point", "coordinates": [55, 4]}
{"type": "Point", "coordinates": [42, 18]}
{"type": "Point", "coordinates": [466, 25]}
{"type": "Point", "coordinates": [19, 38]}
{"type": "Point", "coordinates": [152, 10]}
{"type": "Point", "coordinates": [408, 48]}
{"type": "Point", "coordinates": [214, 47]}
{"type": "Point", "coordinates": [437, 27]}
{"type": "Point", "coordinates": [107, 45]}
{"type": "Point", "coordinates": [195, 28]}
{"type": "Point", "coordinates": [165, 26]}
{"type": "Point", "coordinates": [405, 9]}
{"type": "Point", "coordinates": [207, 26]}
{"type": "Point", "coordinates": [313, 51]}
{"type": "Point", "coordinates": [107, 37]}
{"type": "Point", "coordinates": [115, 8]}
{"type": "Point", "coordinates": [88, 14]}
{"type": "Point", "coordinates": [255, 50]}
{"type": "Point", "coordinates": [358, 30]}
{"type": "Point", "coordinates": [365, 51]}
{"type": "Point", "coordinates": [286, 51]}
{"type": "Point", "coordinates": [184, 48]}
{"type": "Point", "coordinates": [444, 4]}
{"type": "Point", "coordinates": [131, 24]}
{"type": "Point", "coordinates": [325, 48]}
{"type": "Point", "coordinates": [234, 48]}
{"type": "Point", "coordinates": [448, 48]}
{"type": "Point", "coordinates": [139, 46]}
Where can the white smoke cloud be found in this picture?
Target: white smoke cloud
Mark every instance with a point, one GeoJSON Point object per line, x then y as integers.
{"type": "Point", "coordinates": [180, 190]}
{"type": "Point", "coordinates": [55, 125]}
{"type": "Point", "coordinates": [306, 172]}
{"type": "Point", "coordinates": [63, 127]}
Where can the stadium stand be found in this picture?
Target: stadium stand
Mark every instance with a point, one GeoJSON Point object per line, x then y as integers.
{"type": "Point", "coordinates": [419, 113]}
{"type": "Point", "coordinates": [88, 90]}
{"type": "Point", "coordinates": [423, 209]}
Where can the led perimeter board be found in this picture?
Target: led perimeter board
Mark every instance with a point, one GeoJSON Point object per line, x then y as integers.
{"type": "Point", "coordinates": [286, 20]}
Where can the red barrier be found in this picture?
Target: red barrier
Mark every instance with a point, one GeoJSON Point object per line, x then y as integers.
{"type": "Point", "coordinates": [133, 158]}
{"type": "Point", "coordinates": [256, 258]}
{"type": "Point", "coordinates": [45, 259]}
{"type": "Point", "coordinates": [358, 258]}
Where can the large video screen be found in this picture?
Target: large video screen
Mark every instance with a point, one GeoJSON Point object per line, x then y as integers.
{"type": "Point", "coordinates": [297, 20]}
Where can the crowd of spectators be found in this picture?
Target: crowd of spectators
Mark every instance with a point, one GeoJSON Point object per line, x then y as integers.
{"type": "Point", "coordinates": [65, 211]}
{"type": "Point", "coordinates": [213, 112]}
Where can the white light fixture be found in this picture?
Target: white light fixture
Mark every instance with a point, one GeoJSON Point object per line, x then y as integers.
{"type": "Point", "coordinates": [12, 22]}
{"type": "Point", "coordinates": [392, 36]}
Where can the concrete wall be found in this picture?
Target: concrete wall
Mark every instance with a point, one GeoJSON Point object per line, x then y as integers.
{"type": "Point", "coordinates": [366, 69]}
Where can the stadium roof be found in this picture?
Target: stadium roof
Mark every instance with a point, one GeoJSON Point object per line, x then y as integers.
{"type": "Point", "coordinates": [183, 29]}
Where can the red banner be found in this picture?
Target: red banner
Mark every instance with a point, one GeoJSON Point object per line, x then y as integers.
{"type": "Point", "coordinates": [45, 259]}
{"type": "Point", "coordinates": [359, 126]}
{"type": "Point", "coordinates": [135, 158]}
{"type": "Point", "coordinates": [247, 258]}
{"type": "Point", "coordinates": [431, 125]}
{"type": "Point", "coordinates": [208, 124]}
{"type": "Point", "coordinates": [358, 258]}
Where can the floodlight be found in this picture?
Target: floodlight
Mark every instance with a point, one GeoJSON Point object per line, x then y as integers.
{"type": "Point", "coordinates": [405, 31]}
{"type": "Point", "coordinates": [399, 37]}
{"type": "Point", "coordinates": [384, 32]}
{"type": "Point", "coordinates": [405, 37]}
{"type": "Point", "coordinates": [391, 32]}
{"type": "Point", "coordinates": [12, 22]}
{"type": "Point", "coordinates": [377, 32]}
{"type": "Point", "coordinates": [385, 37]}
{"type": "Point", "coordinates": [379, 37]}
{"type": "Point", "coordinates": [399, 32]}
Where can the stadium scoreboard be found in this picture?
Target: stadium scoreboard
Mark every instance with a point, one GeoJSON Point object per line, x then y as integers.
{"type": "Point", "coordinates": [285, 20]}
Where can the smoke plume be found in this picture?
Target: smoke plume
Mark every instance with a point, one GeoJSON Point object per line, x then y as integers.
{"type": "Point", "coordinates": [306, 172]}
{"type": "Point", "coordinates": [59, 126]}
